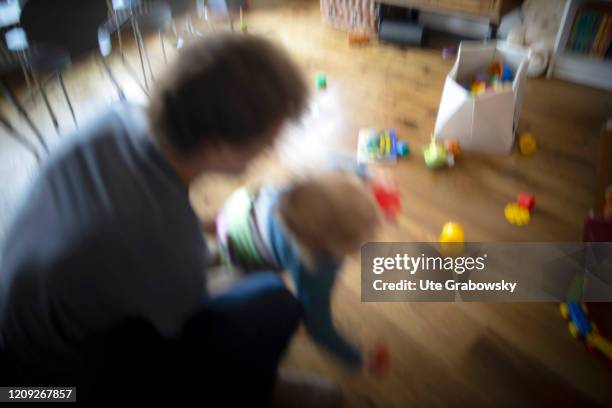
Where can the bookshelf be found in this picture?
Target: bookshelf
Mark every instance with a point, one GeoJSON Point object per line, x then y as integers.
{"type": "Point", "coordinates": [574, 66]}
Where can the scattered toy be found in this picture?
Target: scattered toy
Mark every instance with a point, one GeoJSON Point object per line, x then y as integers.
{"type": "Point", "coordinates": [527, 144]}
{"type": "Point", "coordinates": [437, 156]}
{"type": "Point", "coordinates": [452, 146]}
{"type": "Point", "coordinates": [517, 215]}
{"type": "Point", "coordinates": [387, 198]}
{"type": "Point", "coordinates": [452, 232]}
{"type": "Point", "coordinates": [582, 328]}
{"type": "Point", "coordinates": [526, 200]}
{"type": "Point", "coordinates": [378, 359]}
{"type": "Point", "coordinates": [434, 155]}
{"type": "Point", "coordinates": [403, 149]}
{"type": "Point", "coordinates": [377, 145]}
{"type": "Point", "coordinates": [321, 80]}
{"type": "Point", "coordinates": [452, 239]}
{"type": "Point", "coordinates": [386, 192]}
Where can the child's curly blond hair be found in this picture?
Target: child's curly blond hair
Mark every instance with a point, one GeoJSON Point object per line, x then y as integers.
{"type": "Point", "coordinates": [332, 214]}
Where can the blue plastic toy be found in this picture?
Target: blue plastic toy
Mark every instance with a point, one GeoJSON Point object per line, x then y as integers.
{"type": "Point", "coordinates": [581, 328]}
{"type": "Point", "coordinates": [402, 148]}
{"type": "Point", "coordinates": [506, 73]}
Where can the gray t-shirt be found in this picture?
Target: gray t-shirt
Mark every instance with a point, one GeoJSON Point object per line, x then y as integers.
{"type": "Point", "coordinates": [106, 233]}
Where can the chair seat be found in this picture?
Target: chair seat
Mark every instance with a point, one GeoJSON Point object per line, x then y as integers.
{"type": "Point", "coordinates": [70, 24]}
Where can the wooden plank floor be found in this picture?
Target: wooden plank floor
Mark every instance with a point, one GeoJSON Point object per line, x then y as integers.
{"type": "Point", "coordinates": [442, 353]}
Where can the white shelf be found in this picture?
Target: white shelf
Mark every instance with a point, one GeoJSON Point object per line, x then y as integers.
{"type": "Point", "coordinates": [583, 69]}
{"type": "Point", "coordinates": [576, 67]}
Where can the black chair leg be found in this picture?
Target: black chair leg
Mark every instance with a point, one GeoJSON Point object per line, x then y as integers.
{"type": "Point", "coordinates": [60, 77]}
{"type": "Point", "coordinates": [19, 137]}
{"type": "Point", "coordinates": [144, 72]}
{"type": "Point", "coordinates": [145, 51]}
{"type": "Point", "coordinates": [163, 46]}
{"type": "Point", "coordinates": [43, 93]}
{"type": "Point", "coordinates": [119, 36]}
{"type": "Point", "coordinates": [6, 91]}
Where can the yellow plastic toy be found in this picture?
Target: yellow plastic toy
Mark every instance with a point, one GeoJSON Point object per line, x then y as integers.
{"type": "Point", "coordinates": [478, 88]}
{"type": "Point", "coordinates": [596, 341]}
{"type": "Point", "coordinates": [452, 232]}
{"type": "Point", "coordinates": [582, 328]}
{"type": "Point", "coordinates": [517, 215]}
{"type": "Point", "coordinates": [527, 144]}
{"type": "Point", "coordinates": [451, 239]}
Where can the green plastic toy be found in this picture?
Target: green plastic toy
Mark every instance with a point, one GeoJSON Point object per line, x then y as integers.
{"type": "Point", "coordinates": [435, 155]}
{"type": "Point", "coordinates": [321, 80]}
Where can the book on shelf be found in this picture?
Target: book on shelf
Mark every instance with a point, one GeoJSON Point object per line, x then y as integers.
{"type": "Point", "coordinates": [591, 32]}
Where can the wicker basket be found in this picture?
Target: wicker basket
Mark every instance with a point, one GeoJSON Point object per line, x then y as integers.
{"type": "Point", "coordinates": [350, 15]}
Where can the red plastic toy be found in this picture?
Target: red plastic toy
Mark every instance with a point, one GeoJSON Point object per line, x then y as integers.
{"type": "Point", "coordinates": [387, 197]}
{"type": "Point", "coordinates": [378, 360]}
{"type": "Point", "coordinates": [526, 200]}
{"type": "Point", "coordinates": [386, 192]}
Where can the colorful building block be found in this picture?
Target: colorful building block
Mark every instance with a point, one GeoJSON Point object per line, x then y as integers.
{"type": "Point", "coordinates": [527, 144]}
{"type": "Point", "coordinates": [517, 215]}
{"type": "Point", "coordinates": [403, 149]}
{"type": "Point", "coordinates": [385, 190]}
{"type": "Point", "coordinates": [506, 75]}
{"type": "Point", "coordinates": [452, 146]}
{"type": "Point", "coordinates": [526, 200]}
{"type": "Point", "coordinates": [582, 328]}
{"type": "Point", "coordinates": [321, 80]}
{"type": "Point", "coordinates": [387, 197]}
{"type": "Point", "coordinates": [377, 145]}
{"type": "Point", "coordinates": [434, 155]}
{"type": "Point", "coordinates": [495, 68]}
{"type": "Point", "coordinates": [478, 87]}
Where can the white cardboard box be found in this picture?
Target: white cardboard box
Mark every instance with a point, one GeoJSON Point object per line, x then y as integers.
{"type": "Point", "coordinates": [486, 122]}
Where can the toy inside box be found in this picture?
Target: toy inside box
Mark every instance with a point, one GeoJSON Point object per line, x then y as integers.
{"type": "Point", "coordinates": [482, 96]}
{"type": "Point", "coordinates": [497, 77]}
